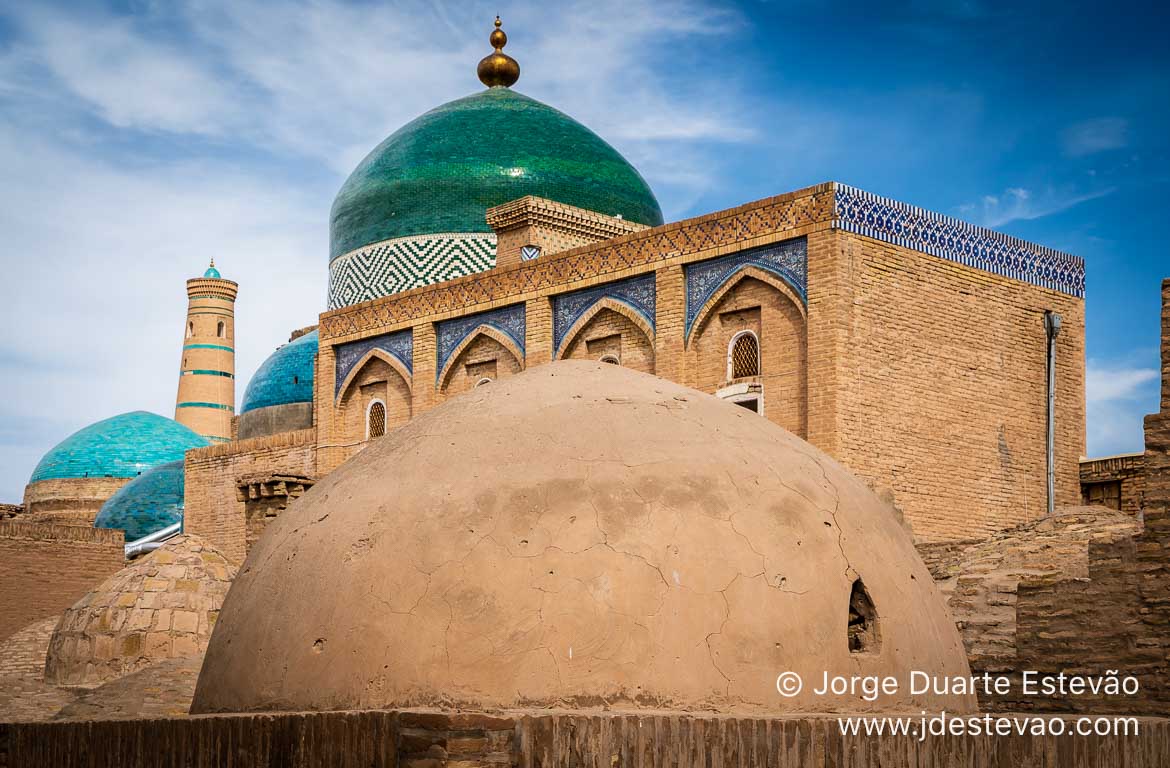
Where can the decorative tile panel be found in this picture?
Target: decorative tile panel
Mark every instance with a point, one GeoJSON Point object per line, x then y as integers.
{"type": "Point", "coordinates": [637, 293]}
{"type": "Point", "coordinates": [905, 225]}
{"type": "Point", "coordinates": [645, 249]}
{"type": "Point", "coordinates": [450, 333]}
{"type": "Point", "coordinates": [400, 344]}
{"type": "Point", "coordinates": [788, 260]}
{"type": "Point", "coordinates": [398, 265]}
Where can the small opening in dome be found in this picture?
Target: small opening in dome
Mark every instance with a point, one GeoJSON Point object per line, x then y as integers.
{"type": "Point", "coordinates": [296, 379]}
{"type": "Point", "coordinates": [864, 636]}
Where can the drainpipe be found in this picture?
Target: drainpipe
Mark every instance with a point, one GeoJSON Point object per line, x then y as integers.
{"type": "Point", "coordinates": [1051, 331]}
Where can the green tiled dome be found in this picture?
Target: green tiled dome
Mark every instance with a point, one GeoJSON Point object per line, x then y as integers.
{"type": "Point", "coordinates": [442, 171]}
{"type": "Point", "coordinates": [285, 377]}
{"type": "Point", "coordinates": [148, 503]}
{"type": "Point", "coordinates": [120, 446]}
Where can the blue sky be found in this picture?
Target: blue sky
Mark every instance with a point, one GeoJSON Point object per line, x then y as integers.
{"type": "Point", "coordinates": [138, 139]}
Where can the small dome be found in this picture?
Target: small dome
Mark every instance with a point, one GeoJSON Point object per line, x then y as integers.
{"type": "Point", "coordinates": [580, 536]}
{"type": "Point", "coordinates": [211, 272]}
{"type": "Point", "coordinates": [285, 377]}
{"type": "Point", "coordinates": [441, 172]}
{"type": "Point", "coordinates": [162, 606]}
{"type": "Point", "coordinates": [148, 503]}
{"type": "Point", "coordinates": [120, 446]}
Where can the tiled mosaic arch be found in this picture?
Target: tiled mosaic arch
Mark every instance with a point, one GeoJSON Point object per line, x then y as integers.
{"type": "Point", "coordinates": [449, 334]}
{"type": "Point", "coordinates": [788, 260]}
{"type": "Point", "coordinates": [399, 345]}
{"type": "Point", "coordinates": [636, 293]}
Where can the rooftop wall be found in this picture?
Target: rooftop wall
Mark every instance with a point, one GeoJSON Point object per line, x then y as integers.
{"type": "Point", "coordinates": [46, 568]}
{"type": "Point", "coordinates": [548, 740]}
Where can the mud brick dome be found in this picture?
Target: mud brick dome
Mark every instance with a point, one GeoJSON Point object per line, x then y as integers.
{"type": "Point", "coordinates": [162, 606]}
{"type": "Point", "coordinates": [579, 535]}
{"type": "Point", "coordinates": [147, 504]}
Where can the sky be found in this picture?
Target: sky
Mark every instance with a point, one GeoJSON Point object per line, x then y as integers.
{"type": "Point", "coordinates": [139, 139]}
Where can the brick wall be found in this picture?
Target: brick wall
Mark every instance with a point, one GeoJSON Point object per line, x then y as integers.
{"type": "Point", "coordinates": [69, 501]}
{"type": "Point", "coordinates": [46, 568]}
{"type": "Point", "coordinates": [212, 508]}
{"type": "Point", "coordinates": [1116, 619]}
{"type": "Point", "coordinates": [1117, 482]}
{"type": "Point", "coordinates": [924, 376]}
{"type": "Point", "coordinates": [938, 380]}
{"type": "Point", "coordinates": [544, 740]}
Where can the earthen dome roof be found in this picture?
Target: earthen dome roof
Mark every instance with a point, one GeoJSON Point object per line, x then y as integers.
{"type": "Point", "coordinates": [576, 536]}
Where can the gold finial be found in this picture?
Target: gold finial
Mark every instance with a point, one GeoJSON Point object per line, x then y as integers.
{"type": "Point", "coordinates": [213, 262]}
{"type": "Point", "coordinates": [498, 68]}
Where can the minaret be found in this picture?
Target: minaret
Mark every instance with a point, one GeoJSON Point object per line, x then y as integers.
{"type": "Point", "coordinates": [207, 375]}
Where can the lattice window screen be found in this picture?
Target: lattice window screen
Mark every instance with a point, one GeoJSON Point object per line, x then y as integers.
{"type": "Point", "coordinates": [376, 426]}
{"type": "Point", "coordinates": [745, 357]}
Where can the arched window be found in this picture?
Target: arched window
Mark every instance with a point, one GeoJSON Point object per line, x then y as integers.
{"type": "Point", "coordinates": [190, 328]}
{"type": "Point", "coordinates": [611, 359]}
{"type": "Point", "coordinates": [375, 419]}
{"type": "Point", "coordinates": [484, 380]}
{"type": "Point", "coordinates": [219, 328]}
{"type": "Point", "coordinates": [743, 355]}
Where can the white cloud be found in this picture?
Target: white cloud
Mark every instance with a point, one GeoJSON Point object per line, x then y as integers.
{"type": "Point", "coordinates": [1093, 136]}
{"type": "Point", "coordinates": [1021, 204]}
{"type": "Point", "coordinates": [135, 148]}
{"type": "Point", "coordinates": [1117, 398]}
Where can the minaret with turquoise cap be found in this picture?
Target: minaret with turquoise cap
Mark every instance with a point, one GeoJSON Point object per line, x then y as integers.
{"type": "Point", "coordinates": [206, 400]}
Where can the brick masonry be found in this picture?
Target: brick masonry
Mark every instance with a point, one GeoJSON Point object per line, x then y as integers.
{"type": "Point", "coordinates": [45, 568]}
{"type": "Point", "coordinates": [923, 374]}
{"type": "Point", "coordinates": [1117, 482]}
{"type": "Point", "coordinates": [543, 740]}
{"type": "Point", "coordinates": [212, 506]}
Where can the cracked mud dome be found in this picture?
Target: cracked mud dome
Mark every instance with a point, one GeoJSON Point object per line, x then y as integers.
{"type": "Point", "coordinates": [578, 536]}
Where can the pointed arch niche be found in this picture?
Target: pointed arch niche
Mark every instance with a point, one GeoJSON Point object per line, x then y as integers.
{"type": "Point", "coordinates": [753, 303]}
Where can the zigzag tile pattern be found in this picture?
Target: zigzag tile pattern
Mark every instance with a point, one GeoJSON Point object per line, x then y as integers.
{"type": "Point", "coordinates": [398, 265]}
{"type": "Point", "coordinates": [643, 249]}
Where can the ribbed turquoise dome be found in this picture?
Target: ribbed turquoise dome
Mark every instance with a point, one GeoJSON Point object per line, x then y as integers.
{"type": "Point", "coordinates": [148, 503]}
{"type": "Point", "coordinates": [442, 171]}
{"type": "Point", "coordinates": [285, 377]}
{"type": "Point", "coordinates": [120, 446]}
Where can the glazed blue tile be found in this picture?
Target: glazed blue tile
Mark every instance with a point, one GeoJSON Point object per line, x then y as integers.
{"type": "Point", "coordinates": [121, 446]}
{"type": "Point", "coordinates": [450, 333]}
{"type": "Point", "coordinates": [400, 344]}
{"type": "Point", "coordinates": [148, 503]}
{"type": "Point", "coordinates": [637, 293]}
{"type": "Point", "coordinates": [285, 377]}
{"type": "Point", "coordinates": [788, 260]}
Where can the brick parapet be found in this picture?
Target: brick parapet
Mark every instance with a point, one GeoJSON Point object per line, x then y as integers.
{"type": "Point", "coordinates": [386, 739]}
{"type": "Point", "coordinates": [212, 508]}
{"type": "Point", "coordinates": [45, 568]}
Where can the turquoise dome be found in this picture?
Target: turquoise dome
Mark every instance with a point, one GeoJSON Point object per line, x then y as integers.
{"type": "Point", "coordinates": [120, 446]}
{"type": "Point", "coordinates": [285, 377]}
{"type": "Point", "coordinates": [211, 272]}
{"type": "Point", "coordinates": [146, 504]}
{"type": "Point", "coordinates": [442, 171]}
